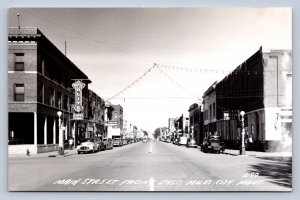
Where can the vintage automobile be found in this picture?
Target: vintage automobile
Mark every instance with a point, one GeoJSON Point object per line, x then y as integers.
{"type": "Point", "coordinates": [145, 140]}
{"type": "Point", "coordinates": [176, 141]}
{"type": "Point", "coordinates": [108, 143]}
{"type": "Point", "coordinates": [87, 145]}
{"type": "Point", "coordinates": [182, 141]}
{"type": "Point", "coordinates": [213, 144]}
{"type": "Point", "coordinates": [117, 142]}
{"type": "Point", "coordinates": [191, 142]}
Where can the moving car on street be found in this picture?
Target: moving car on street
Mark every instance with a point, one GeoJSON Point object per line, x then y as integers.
{"type": "Point", "coordinates": [87, 145]}
{"type": "Point", "coordinates": [191, 142]}
{"type": "Point", "coordinates": [213, 144]}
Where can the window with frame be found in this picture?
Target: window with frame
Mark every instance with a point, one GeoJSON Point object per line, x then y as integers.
{"type": "Point", "coordinates": [59, 100]}
{"type": "Point", "coordinates": [66, 103]}
{"type": "Point", "coordinates": [19, 91]}
{"type": "Point", "coordinates": [19, 62]}
{"type": "Point", "coordinates": [41, 93]}
{"type": "Point", "coordinates": [214, 109]}
{"type": "Point", "coordinates": [51, 97]}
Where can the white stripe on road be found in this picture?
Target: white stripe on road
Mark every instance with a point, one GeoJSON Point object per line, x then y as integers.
{"type": "Point", "coordinates": [151, 184]}
{"type": "Point", "coordinates": [150, 150]}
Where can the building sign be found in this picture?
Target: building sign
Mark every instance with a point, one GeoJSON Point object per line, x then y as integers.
{"type": "Point", "coordinates": [231, 115]}
{"type": "Point", "coordinates": [109, 123]}
{"type": "Point", "coordinates": [77, 116]}
{"type": "Point", "coordinates": [78, 86]}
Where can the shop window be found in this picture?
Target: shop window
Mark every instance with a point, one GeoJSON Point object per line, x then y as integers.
{"type": "Point", "coordinates": [19, 92]}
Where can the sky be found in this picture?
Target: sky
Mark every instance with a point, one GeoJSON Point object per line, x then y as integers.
{"type": "Point", "coordinates": [115, 46]}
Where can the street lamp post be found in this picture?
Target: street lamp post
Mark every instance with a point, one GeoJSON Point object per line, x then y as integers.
{"type": "Point", "coordinates": [242, 151]}
{"type": "Point", "coordinates": [192, 127]}
{"type": "Point", "coordinates": [60, 139]}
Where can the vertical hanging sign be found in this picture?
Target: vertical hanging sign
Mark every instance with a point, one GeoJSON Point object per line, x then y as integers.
{"type": "Point", "coordinates": [78, 108]}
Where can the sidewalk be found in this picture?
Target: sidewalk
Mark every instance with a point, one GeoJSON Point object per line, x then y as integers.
{"type": "Point", "coordinates": [235, 152]}
{"type": "Point", "coordinates": [67, 152]}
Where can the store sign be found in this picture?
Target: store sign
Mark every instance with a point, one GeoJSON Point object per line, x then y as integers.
{"type": "Point", "coordinates": [78, 108]}
{"type": "Point", "coordinates": [231, 115]}
{"type": "Point", "coordinates": [78, 86]}
{"type": "Point", "coordinates": [77, 116]}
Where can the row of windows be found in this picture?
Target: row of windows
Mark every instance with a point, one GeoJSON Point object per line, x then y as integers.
{"type": "Point", "coordinates": [55, 98]}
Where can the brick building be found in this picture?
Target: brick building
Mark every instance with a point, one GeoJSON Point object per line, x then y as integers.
{"type": "Point", "coordinates": [39, 86]}
{"type": "Point", "coordinates": [209, 111]}
{"type": "Point", "coordinates": [262, 87]}
{"type": "Point", "coordinates": [117, 116]}
{"type": "Point", "coordinates": [196, 123]}
{"type": "Point", "coordinates": [96, 112]}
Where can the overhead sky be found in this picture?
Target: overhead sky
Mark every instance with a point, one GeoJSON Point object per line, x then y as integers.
{"type": "Point", "coordinates": [114, 46]}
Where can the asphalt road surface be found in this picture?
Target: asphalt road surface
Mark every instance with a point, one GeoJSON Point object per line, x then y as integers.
{"type": "Point", "coordinates": [152, 166]}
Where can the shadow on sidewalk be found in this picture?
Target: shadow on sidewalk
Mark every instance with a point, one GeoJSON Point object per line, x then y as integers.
{"type": "Point", "coordinates": [277, 169]}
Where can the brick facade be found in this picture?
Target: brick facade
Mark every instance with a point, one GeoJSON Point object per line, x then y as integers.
{"type": "Point", "coordinates": [36, 65]}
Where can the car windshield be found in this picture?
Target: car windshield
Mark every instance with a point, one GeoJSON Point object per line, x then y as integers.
{"type": "Point", "coordinates": [192, 140]}
{"type": "Point", "coordinates": [214, 140]}
{"type": "Point", "coordinates": [87, 140]}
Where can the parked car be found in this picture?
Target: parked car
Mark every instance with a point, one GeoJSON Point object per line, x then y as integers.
{"type": "Point", "coordinates": [108, 143]}
{"type": "Point", "coordinates": [168, 139]}
{"type": "Point", "coordinates": [182, 141]}
{"type": "Point", "coordinates": [124, 141]}
{"type": "Point", "coordinates": [145, 140]}
{"type": "Point", "coordinates": [191, 142]}
{"type": "Point", "coordinates": [213, 144]}
{"type": "Point", "coordinates": [117, 142]}
{"type": "Point", "coordinates": [100, 145]}
{"type": "Point", "coordinates": [87, 145]}
{"type": "Point", "coordinates": [176, 141]}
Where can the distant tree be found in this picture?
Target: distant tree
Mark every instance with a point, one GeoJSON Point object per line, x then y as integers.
{"type": "Point", "coordinates": [145, 133]}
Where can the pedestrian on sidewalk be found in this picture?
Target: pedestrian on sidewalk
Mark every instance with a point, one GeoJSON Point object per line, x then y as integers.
{"type": "Point", "coordinates": [71, 142]}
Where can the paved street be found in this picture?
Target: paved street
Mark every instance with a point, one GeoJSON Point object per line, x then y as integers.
{"type": "Point", "coordinates": [152, 166]}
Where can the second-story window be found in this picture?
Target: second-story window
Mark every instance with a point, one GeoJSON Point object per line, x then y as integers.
{"type": "Point", "coordinates": [59, 100]}
{"type": "Point", "coordinates": [19, 62]}
{"type": "Point", "coordinates": [51, 97]}
{"type": "Point", "coordinates": [19, 92]}
{"type": "Point", "coordinates": [210, 112]}
{"type": "Point", "coordinates": [214, 109]}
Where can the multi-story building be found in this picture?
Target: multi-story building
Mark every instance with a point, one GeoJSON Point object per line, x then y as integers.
{"type": "Point", "coordinates": [196, 123]}
{"type": "Point", "coordinates": [209, 111]}
{"type": "Point", "coordinates": [96, 115]}
{"type": "Point", "coordinates": [40, 84]}
{"type": "Point", "coordinates": [261, 87]}
{"type": "Point", "coordinates": [117, 116]}
{"type": "Point", "coordinates": [171, 125]}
